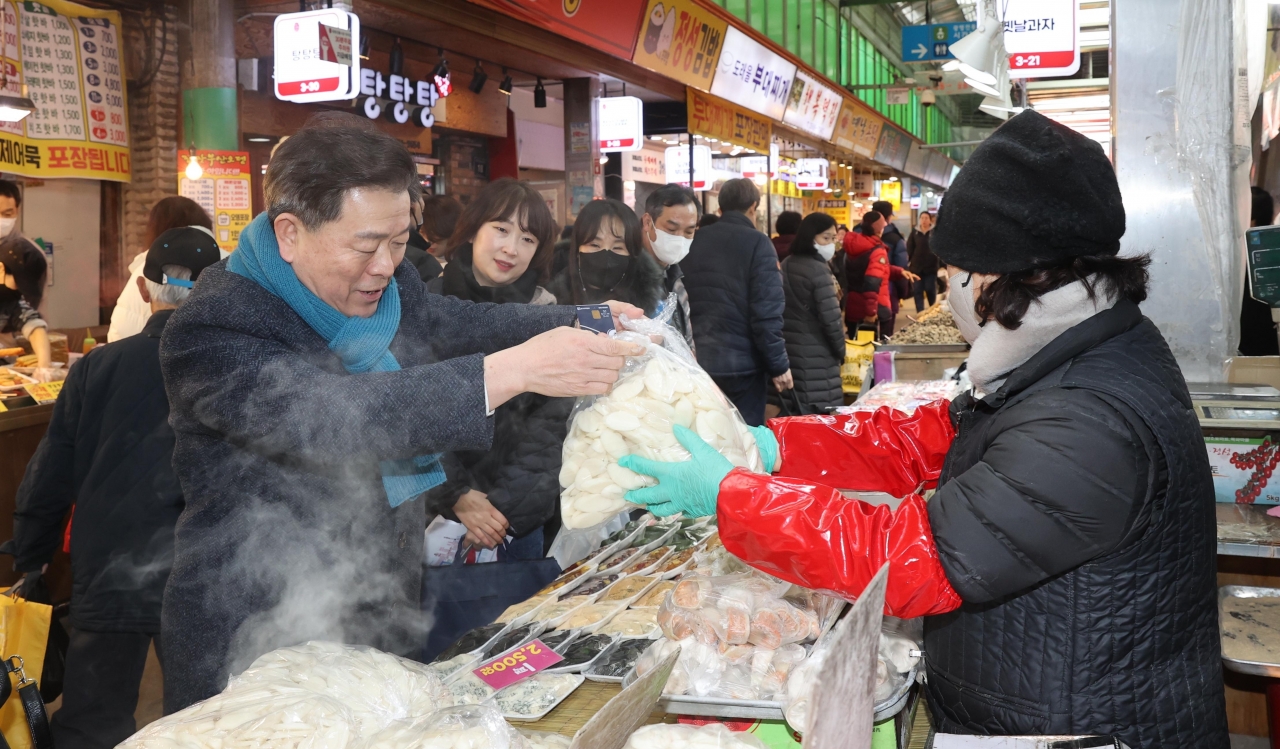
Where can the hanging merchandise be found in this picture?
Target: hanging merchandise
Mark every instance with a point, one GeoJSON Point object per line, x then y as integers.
{"type": "Point", "coordinates": [67, 58]}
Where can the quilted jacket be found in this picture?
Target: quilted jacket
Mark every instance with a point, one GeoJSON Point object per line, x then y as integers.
{"type": "Point", "coordinates": [814, 333]}
{"type": "Point", "coordinates": [1075, 518]}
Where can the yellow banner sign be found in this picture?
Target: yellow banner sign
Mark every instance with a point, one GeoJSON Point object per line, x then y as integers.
{"type": "Point", "coordinates": [858, 128]}
{"type": "Point", "coordinates": [712, 117]}
{"type": "Point", "coordinates": [68, 58]}
{"type": "Point", "coordinates": [839, 210]}
{"type": "Point", "coordinates": [223, 191]}
{"type": "Point", "coordinates": [44, 392]}
{"type": "Point", "coordinates": [680, 39]}
{"type": "Point", "coordinates": [892, 192]}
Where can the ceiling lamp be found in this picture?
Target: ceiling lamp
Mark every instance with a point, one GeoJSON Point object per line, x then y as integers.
{"type": "Point", "coordinates": [981, 54]}
{"type": "Point", "coordinates": [506, 85]}
{"type": "Point", "coordinates": [193, 171]}
{"type": "Point", "coordinates": [478, 77]}
{"type": "Point", "coordinates": [539, 96]}
{"type": "Point", "coordinates": [444, 83]}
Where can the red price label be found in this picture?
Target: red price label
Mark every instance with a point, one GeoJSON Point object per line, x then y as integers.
{"type": "Point", "coordinates": [618, 143]}
{"type": "Point", "coordinates": [518, 664]}
{"type": "Point", "coordinates": [294, 88]}
{"type": "Point", "coordinates": [1041, 59]}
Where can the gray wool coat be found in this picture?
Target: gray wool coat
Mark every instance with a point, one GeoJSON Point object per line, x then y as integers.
{"type": "Point", "coordinates": [287, 534]}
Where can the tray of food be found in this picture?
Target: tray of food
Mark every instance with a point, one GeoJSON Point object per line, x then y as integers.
{"type": "Point", "coordinates": [618, 660]}
{"type": "Point", "coordinates": [587, 617]}
{"type": "Point", "coordinates": [12, 381]}
{"type": "Point", "coordinates": [654, 597]}
{"type": "Point", "coordinates": [1249, 623]}
{"type": "Point", "coordinates": [678, 562]}
{"type": "Point", "coordinates": [520, 613]}
{"type": "Point", "coordinates": [534, 697]}
{"type": "Point", "coordinates": [627, 589]}
{"type": "Point", "coordinates": [633, 623]}
{"type": "Point", "coordinates": [582, 653]}
{"type": "Point", "coordinates": [643, 564]}
{"type": "Point", "coordinates": [472, 641]}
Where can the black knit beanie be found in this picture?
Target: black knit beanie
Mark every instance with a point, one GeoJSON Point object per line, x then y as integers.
{"type": "Point", "coordinates": [1034, 194]}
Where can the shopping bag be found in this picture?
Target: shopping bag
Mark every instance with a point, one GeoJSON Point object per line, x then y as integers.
{"type": "Point", "coordinates": [857, 361]}
{"type": "Point", "coordinates": [461, 597]}
{"type": "Point", "coordinates": [24, 634]}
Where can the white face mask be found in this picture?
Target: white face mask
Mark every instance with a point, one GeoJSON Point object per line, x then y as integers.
{"type": "Point", "coordinates": [960, 296]}
{"type": "Point", "coordinates": [827, 251]}
{"type": "Point", "coordinates": [669, 248]}
{"type": "Point", "coordinates": [6, 226]}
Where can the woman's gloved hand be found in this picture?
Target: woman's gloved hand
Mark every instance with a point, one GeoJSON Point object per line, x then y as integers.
{"type": "Point", "coordinates": [690, 486]}
{"type": "Point", "coordinates": [767, 444]}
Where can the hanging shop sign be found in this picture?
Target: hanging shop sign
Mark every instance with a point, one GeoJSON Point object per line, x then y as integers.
{"type": "Point", "coordinates": [677, 164]}
{"type": "Point", "coordinates": [811, 174]}
{"type": "Point", "coordinates": [893, 147]}
{"type": "Point", "coordinates": [68, 57]}
{"type": "Point", "coordinates": [933, 41]}
{"type": "Point", "coordinates": [1042, 38]}
{"type": "Point", "coordinates": [715, 118]}
{"type": "Point", "coordinates": [813, 107]}
{"type": "Point", "coordinates": [313, 59]}
{"type": "Point", "coordinates": [840, 210]}
{"type": "Point", "coordinates": [858, 128]}
{"type": "Point", "coordinates": [680, 39]}
{"type": "Point", "coordinates": [645, 165]}
{"type": "Point", "coordinates": [754, 76]}
{"type": "Point", "coordinates": [398, 98]}
{"type": "Point", "coordinates": [892, 192]}
{"type": "Point", "coordinates": [607, 25]}
{"type": "Point", "coordinates": [223, 191]}
{"type": "Point", "coordinates": [917, 163]}
{"type": "Point", "coordinates": [620, 123]}
{"type": "Point", "coordinates": [862, 185]}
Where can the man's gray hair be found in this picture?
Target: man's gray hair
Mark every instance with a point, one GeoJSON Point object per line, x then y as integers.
{"type": "Point", "coordinates": [738, 195]}
{"type": "Point", "coordinates": [311, 172]}
{"type": "Point", "coordinates": [168, 293]}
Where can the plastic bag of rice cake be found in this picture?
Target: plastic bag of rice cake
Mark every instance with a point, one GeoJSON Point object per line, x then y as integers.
{"type": "Point", "coordinates": [662, 387]}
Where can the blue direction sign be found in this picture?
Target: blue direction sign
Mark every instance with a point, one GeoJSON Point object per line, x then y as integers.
{"type": "Point", "coordinates": [933, 42]}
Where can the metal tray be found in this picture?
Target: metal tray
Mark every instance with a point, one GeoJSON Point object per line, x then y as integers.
{"type": "Point", "coordinates": [1229, 630]}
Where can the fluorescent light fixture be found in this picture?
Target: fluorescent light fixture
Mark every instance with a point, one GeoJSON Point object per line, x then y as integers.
{"type": "Point", "coordinates": [258, 140]}
{"type": "Point", "coordinates": [655, 137]}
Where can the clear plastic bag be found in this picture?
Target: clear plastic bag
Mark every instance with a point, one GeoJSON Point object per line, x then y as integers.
{"type": "Point", "coordinates": [543, 740]}
{"type": "Point", "coordinates": [662, 387]}
{"type": "Point", "coordinates": [894, 663]}
{"type": "Point", "coordinates": [710, 736]}
{"type": "Point", "coordinates": [465, 727]}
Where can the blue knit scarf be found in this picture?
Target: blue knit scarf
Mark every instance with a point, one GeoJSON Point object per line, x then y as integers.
{"type": "Point", "coordinates": [363, 343]}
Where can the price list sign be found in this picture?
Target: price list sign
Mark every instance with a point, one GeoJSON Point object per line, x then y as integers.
{"type": "Point", "coordinates": [223, 191]}
{"type": "Point", "coordinates": [68, 57]}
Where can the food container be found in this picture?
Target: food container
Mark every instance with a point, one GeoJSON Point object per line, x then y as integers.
{"type": "Point", "coordinates": [653, 543]}
{"type": "Point", "coordinates": [654, 596]}
{"type": "Point", "coordinates": [633, 623]}
{"type": "Point", "coordinates": [558, 639]}
{"type": "Point", "coordinates": [556, 613]}
{"type": "Point", "coordinates": [589, 617]}
{"type": "Point", "coordinates": [676, 563]}
{"type": "Point", "coordinates": [520, 613]}
{"type": "Point", "coordinates": [12, 381]}
{"type": "Point", "coordinates": [627, 590]}
{"type": "Point", "coordinates": [615, 563]}
{"type": "Point", "coordinates": [454, 666]}
{"type": "Point", "coordinates": [473, 641]}
{"type": "Point", "coordinates": [532, 698]}
{"type": "Point", "coordinates": [592, 587]}
{"type": "Point", "coordinates": [645, 563]}
{"type": "Point", "coordinates": [582, 653]}
{"type": "Point", "coordinates": [513, 637]}
{"type": "Point", "coordinates": [621, 656]}
{"type": "Point", "coordinates": [567, 581]}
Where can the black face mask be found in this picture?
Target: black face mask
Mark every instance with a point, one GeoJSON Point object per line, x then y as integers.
{"type": "Point", "coordinates": [604, 269]}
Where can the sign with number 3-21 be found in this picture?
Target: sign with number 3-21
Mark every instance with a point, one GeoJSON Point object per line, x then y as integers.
{"type": "Point", "coordinates": [1042, 38]}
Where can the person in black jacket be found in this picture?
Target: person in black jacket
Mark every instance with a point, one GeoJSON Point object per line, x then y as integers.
{"type": "Point", "coordinates": [502, 247]}
{"type": "Point", "coordinates": [922, 262]}
{"type": "Point", "coordinates": [1066, 564]}
{"type": "Point", "coordinates": [736, 302]}
{"type": "Point", "coordinates": [812, 323]}
{"type": "Point", "coordinates": [607, 260]}
{"type": "Point", "coordinates": [108, 451]}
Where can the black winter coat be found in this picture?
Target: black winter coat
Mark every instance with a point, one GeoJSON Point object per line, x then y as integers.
{"type": "Point", "coordinates": [814, 333]}
{"type": "Point", "coordinates": [520, 473]}
{"type": "Point", "coordinates": [108, 451]}
{"type": "Point", "coordinates": [735, 299]}
{"type": "Point", "coordinates": [1075, 517]}
{"type": "Point", "coordinates": [644, 285]}
{"type": "Point", "coordinates": [922, 261]}
{"type": "Point", "coordinates": [287, 534]}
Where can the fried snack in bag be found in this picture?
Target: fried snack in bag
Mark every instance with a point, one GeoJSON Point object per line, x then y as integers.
{"type": "Point", "coordinates": [662, 387]}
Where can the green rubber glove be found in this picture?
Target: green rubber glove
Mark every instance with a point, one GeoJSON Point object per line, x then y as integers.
{"type": "Point", "coordinates": [690, 486]}
{"type": "Point", "coordinates": [767, 444]}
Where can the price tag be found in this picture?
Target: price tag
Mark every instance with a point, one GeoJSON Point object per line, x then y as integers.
{"type": "Point", "coordinates": [44, 392]}
{"type": "Point", "coordinates": [518, 664]}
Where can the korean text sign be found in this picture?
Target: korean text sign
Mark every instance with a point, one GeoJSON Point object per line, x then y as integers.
{"type": "Point", "coordinates": [813, 107]}
{"type": "Point", "coordinates": [753, 76]}
{"type": "Point", "coordinates": [714, 118]}
{"type": "Point", "coordinates": [858, 128]}
{"type": "Point", "coordinates": [68, 56]}
{"type": "Point", "coordinates": [223, 191]}
{"type": "Point", "coordinates": [1041, 37]}
{"type": "Point", "coordinates": [608, 25]}
{"type": "Point", "coordinates": [681, 40]}
{"type": "Point", "coordinates": [518, 664]}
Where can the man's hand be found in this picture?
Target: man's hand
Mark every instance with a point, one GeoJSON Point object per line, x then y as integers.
{"type": "Point", "coordinates": [560, 363]}
{"type": "Point", "coordinates": [870, 319]}
{"type": "Point", "coordinates": [784, 381]}
{"type": "Point", "coordinates": [910, 276]}
{"type": "Point", "coordinates": [617, 309]}
{"type": "Point", "coordinates": [486, 527]}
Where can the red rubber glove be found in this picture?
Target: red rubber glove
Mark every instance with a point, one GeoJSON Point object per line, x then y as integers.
{"type": "Point", "coordinates": [815, 537]}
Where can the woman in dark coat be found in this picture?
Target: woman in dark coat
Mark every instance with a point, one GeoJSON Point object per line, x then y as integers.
{"type": "Point", "coordinates": [811, 323]}
{"type": "Point", "coordinates": [1066, 564]}
{"type": "Point", "coordinates": [607, 260]}
{"type": "Point", "coordinates": [502, 247]}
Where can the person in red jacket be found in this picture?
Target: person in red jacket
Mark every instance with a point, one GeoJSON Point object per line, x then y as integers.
{"type": "Point", "coordinates": [868, 275]}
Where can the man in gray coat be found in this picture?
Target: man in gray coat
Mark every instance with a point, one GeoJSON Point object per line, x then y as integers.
{"type": "Point", "coordinates": [313, 382]}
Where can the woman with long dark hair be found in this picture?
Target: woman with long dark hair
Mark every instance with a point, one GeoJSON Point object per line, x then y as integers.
{"type": "Point", "coordinates": [607, 260]}
{"type": "Point", "coordinates": [811, 323]}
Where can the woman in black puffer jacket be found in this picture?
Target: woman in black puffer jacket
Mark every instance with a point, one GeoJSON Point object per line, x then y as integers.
{"type": "Point", "coordinates": [811, 323]}
{"type": "Point", "coordinates": [502, 246]}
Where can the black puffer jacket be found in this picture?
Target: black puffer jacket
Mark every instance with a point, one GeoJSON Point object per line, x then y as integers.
{"type": "Point", "coordinates": [923, 262]}
{"type": "Point", "coordinates": [814, 334]}
{"type": "Point", "coordinates": [735, 299]}
{"type": "Point", "coordinates": [1075, 517]}
{"type": "Point", "coordinates": [520, 472]}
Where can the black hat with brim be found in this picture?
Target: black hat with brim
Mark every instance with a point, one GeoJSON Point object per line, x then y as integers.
{"type": "Point", "coordinates": [186, 247]}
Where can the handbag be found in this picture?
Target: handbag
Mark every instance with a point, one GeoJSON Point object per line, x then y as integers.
{"type": "Point", "coordinates": [24, 635]}
{"type": "Point", "coordinates": [793, 405]}
{"type": "Point", "coordinates": [461, 597]}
